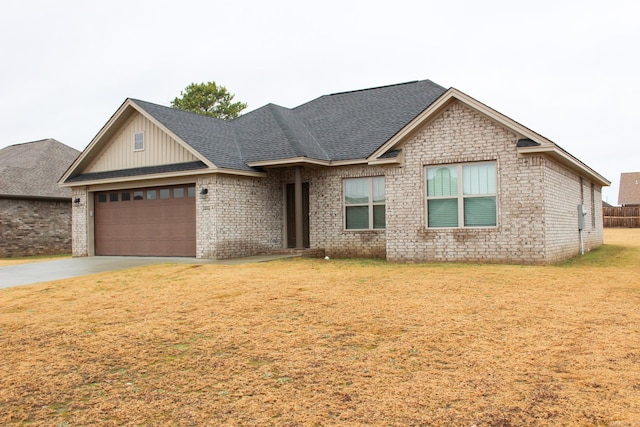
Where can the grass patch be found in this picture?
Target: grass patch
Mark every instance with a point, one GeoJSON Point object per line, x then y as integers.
{"type": "Point", "coordinates": [604, 256]}
{"type": "Point", "coordinates": [338, 342]}
{"type": "Point", "coordinates": [4, 262]}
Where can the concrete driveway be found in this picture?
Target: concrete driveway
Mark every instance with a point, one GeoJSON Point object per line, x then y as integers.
{"type": "Point", "coordinates": [46, 271]}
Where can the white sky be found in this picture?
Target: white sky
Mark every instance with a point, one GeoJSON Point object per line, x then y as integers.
{"type": "Point", "coordinates": [569, 70]}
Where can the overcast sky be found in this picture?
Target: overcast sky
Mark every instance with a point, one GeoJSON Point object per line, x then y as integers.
{"type": "Point", "coordinates": [569, 70]}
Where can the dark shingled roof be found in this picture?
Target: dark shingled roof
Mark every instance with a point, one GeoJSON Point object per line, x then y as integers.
{"type": "Point", "coordinates": [213, 138]}
{"type": "Point", "coordinates": [341, 126]}
{"type": "Point", "coordinates": [33, 169]}
{"type": "Point", "coordinates": [352, 125]}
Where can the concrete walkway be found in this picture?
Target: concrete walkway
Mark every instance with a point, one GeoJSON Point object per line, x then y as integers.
{"type": "Point", "coordinates": [46, 271]}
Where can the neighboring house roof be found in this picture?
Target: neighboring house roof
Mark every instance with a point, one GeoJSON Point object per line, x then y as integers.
{"type": "Point", "coordinates": [629, 193]}
{"type": "Point", "coordinates": [33, 169]}
{"type": "Point", "coordinates": [362, 126]}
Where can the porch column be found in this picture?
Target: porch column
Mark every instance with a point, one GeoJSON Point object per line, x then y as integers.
{"type": "Point", "coordinates": [298, 203]}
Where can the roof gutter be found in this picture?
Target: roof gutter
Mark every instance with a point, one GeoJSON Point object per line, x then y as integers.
{"type": "Point", "coordinates": [27, 197]}
{"type": "Point", "coordinates": [162, 176]}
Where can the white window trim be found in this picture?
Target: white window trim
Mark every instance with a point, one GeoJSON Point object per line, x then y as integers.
{"type": "Point", "coordinates": [134, 141]}
{"type": "Point", "coordinates": [370, 204]}
{"type": "Point", "coordinates": [460, 196]}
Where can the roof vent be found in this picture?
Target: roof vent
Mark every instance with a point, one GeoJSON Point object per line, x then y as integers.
{"type": "Point", "coordinates": [526, 142]}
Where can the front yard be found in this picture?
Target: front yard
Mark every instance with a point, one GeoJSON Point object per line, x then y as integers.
{"type": "Point", "coordinates": [340, 342]}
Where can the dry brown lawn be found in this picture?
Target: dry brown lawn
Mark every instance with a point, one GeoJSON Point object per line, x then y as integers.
{"type": "Point", "coordinates": [319, 343]}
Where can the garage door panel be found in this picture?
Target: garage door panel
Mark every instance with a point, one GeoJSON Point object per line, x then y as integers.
{"type": "Point", "coordinates": [146, 227]}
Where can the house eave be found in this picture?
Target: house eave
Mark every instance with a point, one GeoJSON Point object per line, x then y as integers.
{"type": "Point", "coordinates": [27, 197]}
{"type": "Point", "coordinates": [161, 176]}
{"type": "Point", "coordinates": [305, 161]}
{"type": "Point", "coordinates": [388, 161]}
{"type": "Point", "coordinates": [567, 160]}
{"type": "Point", "coordinates": [292, 161]}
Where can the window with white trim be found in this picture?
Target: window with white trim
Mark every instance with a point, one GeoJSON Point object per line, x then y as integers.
{"type": "Point", "coordinates": [138, 141]}
{"type": "Point", "coordinates": [462, 195]}
{"type": "Point", "coordinates": [364, 203]}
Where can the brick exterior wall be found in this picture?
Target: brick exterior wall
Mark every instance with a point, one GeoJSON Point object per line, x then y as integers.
{"type": "Point", "coordinates": [34, 227]}
{"type": "Point", "coordinates": [461, 135]}
{"type": "Point", "coordinates": [326, 213]}
{"type": "Point", "coordinates": [79, 222]}
{"type": "Point", "coordinates": [564, 191]}
{"type": "Point", "coordinates": [239, 216]}
{"type": "Point", "coordinates": [537, 199]}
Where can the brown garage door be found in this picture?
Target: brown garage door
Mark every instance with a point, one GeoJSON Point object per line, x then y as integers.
{"type": "Point", "coordinates": [158, 221]}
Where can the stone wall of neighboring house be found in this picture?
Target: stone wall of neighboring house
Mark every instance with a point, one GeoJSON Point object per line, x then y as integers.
{"type": "Point", "coordinates": [239, 216]}
{"type": "Point", "coordinates": [461, 135]}
{"type": "Point", "coordinates": [34, 227]}
{"type": "Point", "coordinates": [564, 191]}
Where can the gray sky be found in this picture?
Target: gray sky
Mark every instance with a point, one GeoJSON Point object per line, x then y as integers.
{"type": "Point", "coordinates": [569, 70]}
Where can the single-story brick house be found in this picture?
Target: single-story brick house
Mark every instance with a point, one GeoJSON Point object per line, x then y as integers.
{"type": "Point", "coordinates": [409, 172]}
{"type": "Point", "coordinates": [35, 213]}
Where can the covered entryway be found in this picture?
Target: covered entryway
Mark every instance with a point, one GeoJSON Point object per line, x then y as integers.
{"type": "Point", "coordinates": [159, 221]}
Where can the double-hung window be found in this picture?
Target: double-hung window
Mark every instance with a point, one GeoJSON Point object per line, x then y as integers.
{"type": "Point", "coordinates": [462, 195]}
{"type": "Point", "coordinates": [364, 203]}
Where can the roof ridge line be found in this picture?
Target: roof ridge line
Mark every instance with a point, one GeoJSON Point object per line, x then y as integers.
{"type": "Point", "coordinates": [373, 88]}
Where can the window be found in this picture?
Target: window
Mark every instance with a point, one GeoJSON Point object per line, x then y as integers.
{"type": "Point", "coordinates": [364, 203]}
{"type": "Point", "coordinates": [462, 195]}
{"type": "Point", "coordinates": [138, 195]}
{"type": "Point", "coordinates": [178, 193]}
{"type": "Point", "coordinates": [151, 194]}
{"type": "Point", "coordinates": [138, 141]}
{"type": "Point", "coordinates": [102, 198]}
{"type": "Point", "coordinates": [113, 197]}
{"type": "Point", "coordinates": [165, 193]}
{"type": "Point", "coordinates": [191, 191]}
{"type": "Point", "coordinates": [126, 196]}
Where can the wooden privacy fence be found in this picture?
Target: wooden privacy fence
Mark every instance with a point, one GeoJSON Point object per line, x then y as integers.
{"type": "Point", "coordinates": [621, 216]}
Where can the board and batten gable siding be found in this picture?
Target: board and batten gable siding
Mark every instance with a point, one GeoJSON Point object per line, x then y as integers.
{"type": "Point", "coordinates": [159, 148]}
{"type": "Point", "coordinates": [460, 135]}
{"type": "Point", "coordinates": [564, 191]}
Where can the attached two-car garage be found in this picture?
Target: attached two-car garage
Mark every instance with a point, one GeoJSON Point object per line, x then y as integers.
{"type": "Point", "coordinates": [158, 221]}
